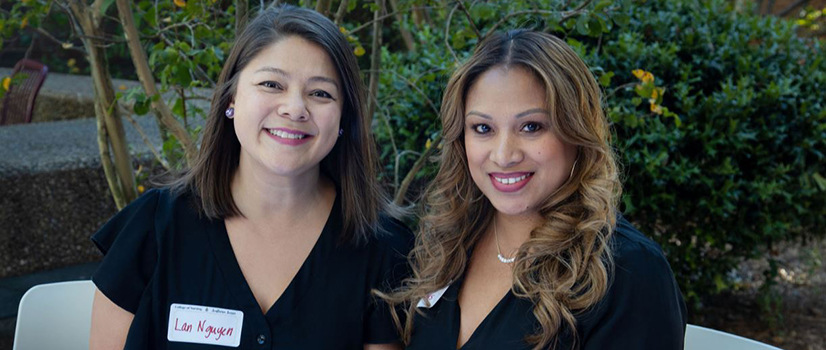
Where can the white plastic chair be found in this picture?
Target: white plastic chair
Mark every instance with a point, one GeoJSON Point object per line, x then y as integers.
{"type": "Point", "coordinates": [55, 316]}
{"type": "Point", "coordinates": [701, 338]}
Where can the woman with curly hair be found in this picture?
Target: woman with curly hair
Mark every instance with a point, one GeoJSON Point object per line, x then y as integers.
{"type": "Point", "coordinates": [522, 245]}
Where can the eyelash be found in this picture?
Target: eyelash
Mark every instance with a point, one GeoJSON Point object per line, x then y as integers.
{"type": "Point", "coordinates": [537, 125]}
{"type": "Point", "coordinates": [322, 94]}
{"type": "Point", "coordinates": [476, 128]}
{"type": "Point", "coordinates": [317, 93]}
{"type": "Point", "coordinates": [271, 85]}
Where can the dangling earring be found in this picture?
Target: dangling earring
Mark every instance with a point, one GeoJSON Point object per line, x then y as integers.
{"type": "Point", "coordinates": [230, 112]}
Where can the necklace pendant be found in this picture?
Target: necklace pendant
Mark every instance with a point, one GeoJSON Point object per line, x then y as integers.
{"type": "Point", "coordinates": [505, 260]}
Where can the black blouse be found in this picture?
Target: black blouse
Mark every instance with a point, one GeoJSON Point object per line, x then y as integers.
{"type": "Point", "coordinates": [162, 259]}
{"type": "Point", "coordinates": [642, 309]}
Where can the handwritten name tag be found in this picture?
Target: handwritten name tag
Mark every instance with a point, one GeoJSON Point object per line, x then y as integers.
{"type": "Point", "coordinates": [204, 325]}
{"type": "Point", "coordinates": [431, 299]}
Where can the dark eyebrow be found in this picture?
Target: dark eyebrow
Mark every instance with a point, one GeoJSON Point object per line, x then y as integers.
{"type": "Point", "coordinates": [517, 116]}
{"type": "Point", "coordinates": [284, 74]}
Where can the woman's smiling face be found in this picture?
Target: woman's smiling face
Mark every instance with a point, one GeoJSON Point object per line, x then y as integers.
{"type": "Point", "coordinates": [288, 104]}
{"type": "Point", "coordinates": [514, 156]}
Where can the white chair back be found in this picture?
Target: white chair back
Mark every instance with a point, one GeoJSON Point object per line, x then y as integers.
{"type": "Point", "coordinates": [55, 316]}
{"type": "Point", "coordinates": [701, 338]}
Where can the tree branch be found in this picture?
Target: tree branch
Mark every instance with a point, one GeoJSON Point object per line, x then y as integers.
{"type": "Point", "coordinates": [241, 8]}
{"type": "Point", "coordinates": [323, 7]}
{"type": "Point", "coordinates": [469, 19]}
{"type": "Point", "coordinates": [160, 107]}
{"type": "Point", "coordinates": [198, 70]}
{"type": "Point", "coordinates": [122, 179]}
{"type": "Point", "coordinates": [106, 162]}
{"type": "Point", "coordinates": [342, 9]}
{"type": "Point", "coordinates": [146, 141]}
{"type": "Point", "coordinates": [411, 175]}
{"type": "Point", "coordinates": [375, 66]}
{"type": "Point", "coordinates": [49, 36]}
{"type": "Point", "coordinates": [565, 15]}
{"type": "Point", "coordinates": [447, 34]}
{"type": "Point", "coordinates": [367, 24]}
{"type": "Point", "coordinates": [791, 7]}
{"type": "Point", "coordinates": [407, 37]}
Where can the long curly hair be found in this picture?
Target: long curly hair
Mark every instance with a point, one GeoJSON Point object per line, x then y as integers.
{"type": "Point", "coordinates": [564, 266]}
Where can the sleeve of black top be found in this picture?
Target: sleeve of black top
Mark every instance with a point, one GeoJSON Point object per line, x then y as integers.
{"type": "Point", "coordinates": [397, 240]}
{"type": "Point", "coordinates": [127, 241]}
{"type": "Point", "coordinates": [643, 308]}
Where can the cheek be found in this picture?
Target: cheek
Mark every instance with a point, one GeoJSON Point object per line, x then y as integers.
{"type": "Point", "coordinates": [328, 117]}
{"type": "Point", "coordinates": [476, 157]}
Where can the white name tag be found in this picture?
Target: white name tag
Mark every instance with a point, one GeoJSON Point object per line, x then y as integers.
{"type": "Point", "coordinates": [204, 325]}
{"type": "Point", "coordinates": [432, 298]}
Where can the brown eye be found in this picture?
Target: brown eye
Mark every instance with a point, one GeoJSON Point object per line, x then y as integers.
{"type": "Point", "coordinates": [322, 94]}
{"type": "Point", "coordinates": [271, 85]}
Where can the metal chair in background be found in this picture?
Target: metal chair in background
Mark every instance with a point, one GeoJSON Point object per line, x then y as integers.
{"type": "Point", "coordinates": [18, 103]}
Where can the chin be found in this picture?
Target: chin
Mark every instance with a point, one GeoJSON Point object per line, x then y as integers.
{"type": "Point", "coordinates": [512, 209]}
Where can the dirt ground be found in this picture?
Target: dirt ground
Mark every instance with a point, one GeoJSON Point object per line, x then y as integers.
{"type": "Point", "coordinates": [800, 295]}
{"type": "Point", "coordinates": [780, 6]}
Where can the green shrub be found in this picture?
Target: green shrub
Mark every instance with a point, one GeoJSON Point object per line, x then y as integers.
{"type": "Point", "coordinates": [724, 162]}
{"type": "Point", "coordinates": [744, 169]}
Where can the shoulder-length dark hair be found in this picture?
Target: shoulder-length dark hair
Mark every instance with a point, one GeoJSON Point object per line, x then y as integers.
{"type": "Point", "coordinates": [352, 162]}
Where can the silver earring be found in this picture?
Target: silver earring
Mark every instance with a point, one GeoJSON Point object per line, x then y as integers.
{"type": "Point", "coordinates": [340, 132]}
{"type": "Point", "coordinates": [230, 112]}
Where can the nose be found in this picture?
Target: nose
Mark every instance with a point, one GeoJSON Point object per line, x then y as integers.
{"type": "Point", "coordinates": [293, 107]}
{"type": "Point", "coordinates": [506, 152]}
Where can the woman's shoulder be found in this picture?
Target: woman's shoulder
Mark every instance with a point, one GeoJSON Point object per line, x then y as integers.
{"type": "Point", "coordinates": [393, 235]}
{"type": "Point", "coordinates": [643, 307]}
{"type": "Point", "coordinates": [630, 248]}
{"type": "Point", "coordinates": [151, 212]}
{"type": "Point", "coordinates": [640, 268]}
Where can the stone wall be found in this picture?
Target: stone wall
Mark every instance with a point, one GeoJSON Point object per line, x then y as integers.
{"type": "Point", "coordinates": [53, 193]}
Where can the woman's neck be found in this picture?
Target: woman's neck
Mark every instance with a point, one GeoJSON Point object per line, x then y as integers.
{"type": "Point", "coordinates": [265, 199]}
{"type": "Point", "coordinates": [513, 230]}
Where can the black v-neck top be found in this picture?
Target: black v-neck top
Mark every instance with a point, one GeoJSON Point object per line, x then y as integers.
{"type": "Point", "coordinates": [159, 251]}
{"type": "Point", "coordinates": [643, 309]}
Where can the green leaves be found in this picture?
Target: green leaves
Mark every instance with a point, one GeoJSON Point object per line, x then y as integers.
{"type": "Point", "coordinates": [741, 125]}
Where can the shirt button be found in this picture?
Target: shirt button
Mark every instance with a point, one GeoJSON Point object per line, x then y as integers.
{"type": "Point", "coordinates": [262, 339]}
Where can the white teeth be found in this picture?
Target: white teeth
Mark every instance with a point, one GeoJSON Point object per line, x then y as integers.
{"type": "Point", "coordinates": [510, 180]}
{"type": "Point", "coordinates": [285, 135]}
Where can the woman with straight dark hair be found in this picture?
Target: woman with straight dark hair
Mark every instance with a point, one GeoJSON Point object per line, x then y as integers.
{"type": "Point", "coordinates": [275, 237]}
{"type": "Point", "coordinates": [521, 245]}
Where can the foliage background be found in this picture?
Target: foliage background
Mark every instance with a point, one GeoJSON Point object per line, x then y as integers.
{"type": "Point", "coordinates": [718, 114]}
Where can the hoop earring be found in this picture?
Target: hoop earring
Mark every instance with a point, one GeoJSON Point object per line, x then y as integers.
{"type": "Point", "coordinates": [573, 167]}
{"type": "Point", "coordinates": [459, 194]}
